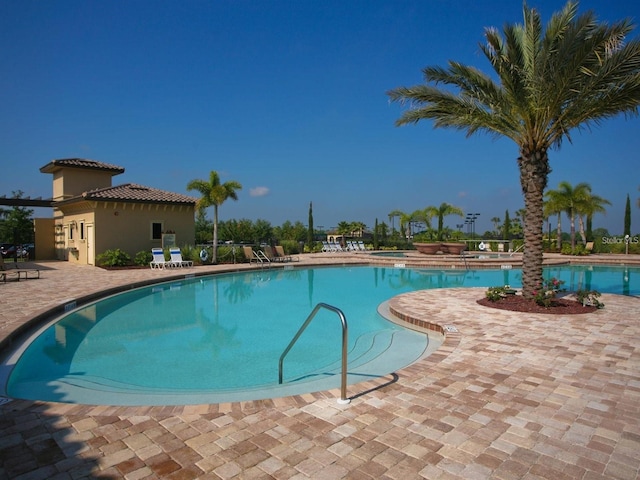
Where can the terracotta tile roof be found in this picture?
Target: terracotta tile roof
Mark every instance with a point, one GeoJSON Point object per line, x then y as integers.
{"type": "Point", "coordinates": [131, 192]}
{"type": "Point", "coordinates": [81, 163]}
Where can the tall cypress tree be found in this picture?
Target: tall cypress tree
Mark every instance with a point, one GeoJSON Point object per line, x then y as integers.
{"type": "Point", "coordinates": [627, 217]}
{"type": "Point", "coordinates": [310, 236]}
{"type": "Point", "coordinates": [507, 226]}
{"type": "Point", "coordinates": [376, 240]}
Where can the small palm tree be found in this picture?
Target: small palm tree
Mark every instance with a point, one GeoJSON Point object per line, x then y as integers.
{"type": "Point", "coordinates": [445, 210]}
{"type": "Point", "coordinates": [550, 81]}
{"type": "Point", "coordinates": [569, 199]}
{"type": "Point", "coordinates": [392, 215]}
{"type": "Point", "coordinates": [214, 194]}
{"type": "Point", "coordinates": [591, 205]}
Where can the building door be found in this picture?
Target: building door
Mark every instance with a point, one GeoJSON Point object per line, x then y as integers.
{"type": "Point", "coordinates": [91, 253]}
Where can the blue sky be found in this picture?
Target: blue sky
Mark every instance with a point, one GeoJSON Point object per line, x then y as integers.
{"type": "Point", "coordinates": [286, 97]}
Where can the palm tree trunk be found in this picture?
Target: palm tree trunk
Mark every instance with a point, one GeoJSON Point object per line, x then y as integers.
{"type": "Point", "coordinates": [534, 172]}
{"type": "Point", "coordinates": [581, 230]}
{"type": "Point", "coordinates": [559, 233]}
{"type": "Point", "coordinates": [215, 234]}
{"type": "Point", "coordinates": [573, 230]}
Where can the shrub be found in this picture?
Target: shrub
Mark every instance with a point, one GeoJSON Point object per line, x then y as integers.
{"type": "Point", "coordinates": [113, 258]}
{"type": "Point", "coordinates": [291, 247]}
{"type": "Point", "coordinates": [143, 257]}
{"type": "Point", "coordinates": [546, 294]}
{"type": "Point", "coordinates": [494, 294]}
{"type": "Point", "coordinates": [589, 297]}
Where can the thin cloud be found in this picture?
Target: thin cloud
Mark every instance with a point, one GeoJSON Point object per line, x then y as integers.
{"type": "Point", "coordinates": [259, 191]}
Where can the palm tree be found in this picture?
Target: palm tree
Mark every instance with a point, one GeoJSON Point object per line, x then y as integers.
{"type": "Point", "coordinates": [570, 200]}
{"type": "Point", "coordinates": [554, 205]}
{"type": "Point", "coordinates": [575, 72]}
{"type": "Point", "coordinates": [214, 194]}
{"type": "Point", "coordinates": [591, 205]}
{"type": "Point", "coordinates": [444, 210]}
{"type": "Point", "coordinates": [496, 223]}
{"type": "Point", "coordinates": [392, 215]}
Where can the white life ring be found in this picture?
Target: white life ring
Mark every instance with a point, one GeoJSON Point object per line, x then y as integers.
{"type": "Point", "coordinates": [204, 255]}
{"type": "Point", "coordinates": [482, 246]}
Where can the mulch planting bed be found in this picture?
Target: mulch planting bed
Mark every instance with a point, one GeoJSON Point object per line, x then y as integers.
{"type": "Point", "coordinates": [517, 303]}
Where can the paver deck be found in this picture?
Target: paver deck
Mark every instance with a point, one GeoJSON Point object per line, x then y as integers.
{"type": "Point", "coordinates": [507, 396]}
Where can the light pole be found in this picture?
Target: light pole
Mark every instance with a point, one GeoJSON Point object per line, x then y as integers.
{"type": "Point", "coordinates": [470, 220]}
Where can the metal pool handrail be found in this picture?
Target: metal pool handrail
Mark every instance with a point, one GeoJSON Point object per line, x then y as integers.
{"type": "Point", "coordinates": [345, 331]}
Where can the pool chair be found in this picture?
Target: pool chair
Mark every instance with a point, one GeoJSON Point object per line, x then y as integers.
{"type": "Point", "coordinates": [269, 255]}
{"type": "Point", "coordinates": [8, 271]}
{"type": "Point", "coordinates": [7, 275]}
{"type": "Point", "coordinates": [158, 259]}
{"type": "Point", "coordinates": [176, 259]}
{"type": "Point", "coordinates": [361, 246]}
{"type": "Point", "coordinates": [283, 256]}
{"type": "Point", "coordinates": [250, 255]}
{"type": "Point", "coordinates": [325, 246]}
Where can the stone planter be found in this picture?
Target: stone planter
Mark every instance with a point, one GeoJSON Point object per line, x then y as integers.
{"type": "Point", "coordinates": [428, 248]}
{"type": "Point", "coordinates": [454, 248]}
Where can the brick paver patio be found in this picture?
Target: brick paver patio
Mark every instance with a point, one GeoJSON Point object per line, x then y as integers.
{"type": "Point", "coordinates": [507, 396]}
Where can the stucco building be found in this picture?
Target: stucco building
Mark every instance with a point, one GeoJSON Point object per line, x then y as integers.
{"type": "Point", "coordinates": [91, 216]}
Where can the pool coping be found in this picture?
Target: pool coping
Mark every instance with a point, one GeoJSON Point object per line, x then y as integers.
{"type": "Point", "coordinates": [468, 411]}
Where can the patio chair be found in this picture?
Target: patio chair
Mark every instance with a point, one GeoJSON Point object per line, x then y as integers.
{"type": "Point", "coordinates": [283, 256]}
{"type": "Point", "coordinates": [269, 255]}
{"type": "Point", "coordinates": [6, 275]}
{"type": "Point", "coordinates": [250, 255]}
{"type": "Point", "coordinates": [158, 259]}
{"type": "Point", "coordinates": [176, 259]}
{"type": "Point", "coordinates": [21, 272]}
{"type": "Point", "coordinates": [361, 246]}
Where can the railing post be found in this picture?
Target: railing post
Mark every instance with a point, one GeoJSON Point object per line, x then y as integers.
{"type": "Point", "coordinates": [345, 332]}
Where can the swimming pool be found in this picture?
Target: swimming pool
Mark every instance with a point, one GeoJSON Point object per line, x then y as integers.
{"type": "Point", "coordinates": [218, 338]}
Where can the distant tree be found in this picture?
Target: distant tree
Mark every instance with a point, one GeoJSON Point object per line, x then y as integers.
{"type": "Point", "coordinates": [357, 229]}
{"type": "Point", "coordinates": [213, 193]}
{"type": "Point", "coordinates": [506, 228]}
{"type": "Point", "coordinates": [262, 231]}
{"type": "Point", "coordinates": [310, 234]}
{"type": "Point", "coordinates": [392, 216]}
{"type": "Point", "coordinates": [376, 239]}
{"type": "Point", "coordinates": [569, 199]}
{"type": "Point", "coordinates": [627, 217]}
{"type": "Point", "coordinates": [204, 228]}
{"type": "Point", "coordinates": [445, 210]}
{"type": "Point", "coordinates": [591, 205]}
{"type": "Point", "coordinates": [496, 223]}
{"type": "Point", "coordinates": [546, 82]}
{"type": "Point", "coordinates": [17, 225]}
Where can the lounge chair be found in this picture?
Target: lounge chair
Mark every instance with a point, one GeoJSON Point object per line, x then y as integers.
{"type": "Point", "coordinates": [176, 259]}
{"type": "Point", "coordinates": [281, 255]}
{"type": "Point", "coordinates": [325, 246]}
{"type": "Point", "coordinates": [6, 275]}
{"type": "Point", "coordinates": [158, 259]}
{"type": "Point", "coordinates": [21, 272]}
{"type": "Point", "coordinates": [336, 247]}
{"type": "Point", "coordinates": [361, 246]}
{"type": "Point", "coordinates": [269, 255]}
{"type": "Point", "coordinates": [250, 255]}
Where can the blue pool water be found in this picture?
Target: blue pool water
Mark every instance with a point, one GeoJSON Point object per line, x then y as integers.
{"type": "Point", "coordinates": [219, 338]}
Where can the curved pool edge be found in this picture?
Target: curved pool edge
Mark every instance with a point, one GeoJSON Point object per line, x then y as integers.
{"type": "Point", "coordinates": [13, 345]}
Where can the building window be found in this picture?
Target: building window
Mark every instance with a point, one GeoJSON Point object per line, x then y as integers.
{"type": "Point", "coordinates": [71, 231]}
{"type": "Point", "coordinates": [81, 230]}
{"type": "Point", "coordinates": [156, 231]}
